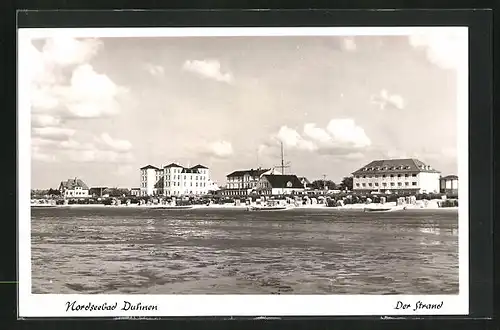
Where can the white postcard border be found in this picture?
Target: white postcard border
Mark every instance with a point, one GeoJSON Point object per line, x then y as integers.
{"type": "Point", "coordinates": [55, 305]}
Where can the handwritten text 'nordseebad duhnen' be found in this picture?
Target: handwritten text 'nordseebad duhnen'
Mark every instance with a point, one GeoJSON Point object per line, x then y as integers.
{"type": "Point", "coordinates": [418, 306]}
{"type": "Point", "coordinates": [126, 306]}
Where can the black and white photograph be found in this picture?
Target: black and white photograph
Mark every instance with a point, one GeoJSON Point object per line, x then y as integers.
{"type": "Point", "coordinates": [244, 169]}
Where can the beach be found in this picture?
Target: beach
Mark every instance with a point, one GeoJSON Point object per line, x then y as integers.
{"type": "Point", "coordinates": [431, 205]}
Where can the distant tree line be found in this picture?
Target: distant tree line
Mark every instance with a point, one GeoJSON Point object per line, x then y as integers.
{"type": "Point", "coordinates": [345, 184]}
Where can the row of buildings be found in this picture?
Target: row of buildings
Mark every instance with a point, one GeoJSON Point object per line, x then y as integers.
{"type": "Point", "coordinates": [402, 176]}
{"type": "Point", "coordinates": [405, 176]}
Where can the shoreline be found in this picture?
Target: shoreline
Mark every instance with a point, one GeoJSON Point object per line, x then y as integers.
{"type": "Point", "coordinates": [349, 207]}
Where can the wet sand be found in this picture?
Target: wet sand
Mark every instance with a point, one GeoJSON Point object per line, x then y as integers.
{"type": "Point", "coordinates": [117, 250]}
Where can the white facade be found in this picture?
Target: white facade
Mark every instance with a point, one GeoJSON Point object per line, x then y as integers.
{"type": "Point", "coordinates": [76, 192]}
{"type": "Point", "coordinates": [248, 179]}
{"type": "Point", "coordinates": [175, 180]}
{"type": "Point", "coordinates": [74, 188]}
{"type": "Point", "coordinates": [186, 181]}
{"type": "Point", "coordinates": [412, 176]}
{"type": "Point", "coordinates": [150, 175]}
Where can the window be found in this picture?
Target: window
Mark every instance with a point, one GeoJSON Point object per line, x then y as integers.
{"type": "Point", "coordinates": [384, 184]}
{"type": "Point", "coordinates": [383, 175]}
{"type": "Point", "coordinates": [376, 176]}
{"type": "Point", "coordinates": [413, 183]}
{"type": "Point", "coordinates": [196, 184]}
{"type": "Point", "coordinates": [370, 184]}
{"type": "Point", "coordinates": [406, 175]}
{"type": "Point", "coordinates": [364, 184]}
{"type": "Point", "coordinates": [191, 184]}
{"type": "Point", "coordinates": [392, 184]}
{"type": "Point", "coordinates": [376, 184]}
{"type": "Point", "coordinates": [184, 177]}
{"type": "Point", "coordinates": [392, 175]}
{"type": "Point", "coordinates": [407, 183]}
{"type": "Point", "coordinates": [400, 184]}
{"type": "Point", "coordinates": [399, 175]}
{"type": "Point", "coordinates": [364, 176]}
{"type": "Point", "coordinates": [414, 175]}
{"type": "Point", "coordinates": [357, 184]}
{"type": "Point", "coordinates": [357, 176]}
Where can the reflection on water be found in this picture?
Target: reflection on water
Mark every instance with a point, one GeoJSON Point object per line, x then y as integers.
{"type": "Point", "coordinates": [113, 250]}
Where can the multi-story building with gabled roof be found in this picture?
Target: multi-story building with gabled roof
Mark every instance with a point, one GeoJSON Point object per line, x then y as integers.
{"type": "Point", "coordinates": [175, 180]}
{"type": "Point", "coordinates": [396, 176]}
{"type": "Point", "coordinates": [74, 188]}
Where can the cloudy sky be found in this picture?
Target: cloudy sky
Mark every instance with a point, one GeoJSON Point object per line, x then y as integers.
{"type": "Point", "coordinates": [103, 107]}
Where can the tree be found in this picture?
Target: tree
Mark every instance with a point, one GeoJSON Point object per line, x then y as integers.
{"type": "Point", "coordinates": [346, 183]}
{"type": "Point", "coordinates": [53, 192]}
{"type": "Point", "coordinates": [320, 184]}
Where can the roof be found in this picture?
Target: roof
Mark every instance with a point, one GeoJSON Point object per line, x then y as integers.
{"type": "Point", "coordinates": [304, 180]}
{"type": "Point", "coordinates": [283, 181]}
{"type": "Point", "coordinates": [148, 167]}
{"type": "Point", "coordinates": [450, 177]}
{"type": "Point", "coordinates": [199, 166]}
{"type": "Point", "coordinates": [251, 172]}
{"type": "Point", "coordinates": [172, 165]}
{"type": "Point", "coordinates": [73, 183]}
{"type": "Point", "coordinates": [395, 166]}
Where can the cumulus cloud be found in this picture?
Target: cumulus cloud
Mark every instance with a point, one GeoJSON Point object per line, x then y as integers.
{"type": "Point", "coordinates": [86, 94]}
{"type": "Point", "coordinates": [445, 49]}
{"type": "Point", "coordinates": [115, 144]}
{"type": "Point", "coordinates": [385, 100]}
{"type": "Point", "coordinates": [291, 138]}
{"type": "Point", "coordinates": [220, 149]}
{"type": "Point", "coordinates": [64, 86]}
{"type": "Point", "coordinates": [339, 137]}
{"type": "Point", "coordinates": [155, 70]}
{"type": "Point", "coordinates": [67, 51]}
{"type": "Point", "coordinates": [72, 147]}
{"type": "Point", "coordinates": [209, 69]}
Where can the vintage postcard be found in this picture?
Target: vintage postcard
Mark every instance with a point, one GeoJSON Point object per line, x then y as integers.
{"type": "Point", "coordinates": [243, 171]}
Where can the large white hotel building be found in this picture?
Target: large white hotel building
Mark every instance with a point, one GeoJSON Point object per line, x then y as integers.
{"type": "Point", "coordinates": [175, 180]}
{"type": "Point", "coordinates": [398, 176]}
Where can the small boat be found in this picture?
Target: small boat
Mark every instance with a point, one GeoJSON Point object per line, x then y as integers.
{"type": "Point", "coordinates": [180, 207]}
{"type": "Point", "coordinates": [267, 208]}
{"type": "Point", "coordinates": [378, 209]}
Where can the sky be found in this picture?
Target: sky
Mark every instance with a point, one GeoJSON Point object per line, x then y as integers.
{"type": "Point", "coordinates": [101, 108]}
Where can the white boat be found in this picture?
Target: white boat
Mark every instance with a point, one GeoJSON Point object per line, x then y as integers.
{"type": "Point", "coordinates": [269, 207]}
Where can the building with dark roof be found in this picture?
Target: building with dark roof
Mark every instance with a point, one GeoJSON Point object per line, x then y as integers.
{"type": "Point", "coordinates": [74, 188]}
{"type": "Point", "coordinates": [449, 185]}
{"type": "Point", "coordinates": [243, 182]}
{"type": "Point", "coordinates": [396, 176]}
{"type": "Point", "coordinates": [270, 184]}
{"type": "Point", "coordinates": [174, 180]}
